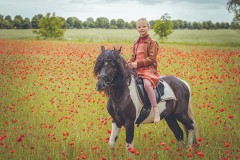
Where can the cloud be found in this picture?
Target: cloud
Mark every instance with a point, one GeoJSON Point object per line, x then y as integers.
{"type": "Point", "coordinates": [147, 2]}
{"type": "Point", "coordinates": [189, 10]}
{"type": "Point", "coordinates": [177, 1]}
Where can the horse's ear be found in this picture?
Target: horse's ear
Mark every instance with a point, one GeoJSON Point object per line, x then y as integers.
{"type": "Point", "coordinates": [103, 49]}
{"type": "Point", "coordinates": [119, 50]}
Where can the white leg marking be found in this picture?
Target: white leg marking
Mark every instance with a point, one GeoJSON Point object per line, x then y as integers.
{"type": "Point", "coordinates": [196, 130]}
{"type": "Point", "coordinates": [114, 134]}
{"type": "Point", "coordinates": [181, 145]}
{"type": "Point", "coordinates": [190, 138]}
{"type": "Point", "coordinates": [130, 145]}
{"type": "Point", "coordinates": [130, 150]}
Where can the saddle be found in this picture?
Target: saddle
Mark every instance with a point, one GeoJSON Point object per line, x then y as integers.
{"type": "Point", "coordinates": [159, 92]}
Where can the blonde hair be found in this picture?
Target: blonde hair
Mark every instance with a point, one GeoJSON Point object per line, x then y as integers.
{"type": "Point", "coordinates": [143, 20]}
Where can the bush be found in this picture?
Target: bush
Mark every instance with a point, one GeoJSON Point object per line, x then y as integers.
{"type": "Point", "coordinates": [163, 27]}
{"type": "Point", "coordinates": [50, 27]}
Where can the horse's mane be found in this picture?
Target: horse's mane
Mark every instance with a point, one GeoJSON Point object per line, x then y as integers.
{"type": "Point", "coordinates": [119, 61]}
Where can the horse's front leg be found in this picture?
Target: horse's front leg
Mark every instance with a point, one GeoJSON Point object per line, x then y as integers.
{"type": "Point", "coordinates": [129, 125]}
{"type": "Point", "coordinates": [114, 134]}
{"type": "Point", "coordinates": [116, 126]}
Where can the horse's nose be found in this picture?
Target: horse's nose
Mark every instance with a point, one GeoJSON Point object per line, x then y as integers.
{"type": "Point", "coordinates": [100, 86]}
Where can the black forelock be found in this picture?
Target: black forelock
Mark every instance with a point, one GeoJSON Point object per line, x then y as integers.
{"type": "Point", "coordinates": [107, 55]}
{"type": "Point", "coordinates": [119, 61]}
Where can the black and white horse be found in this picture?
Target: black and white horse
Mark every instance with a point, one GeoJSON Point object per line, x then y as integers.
{"type": "Point", "coordinates": [124, 105]}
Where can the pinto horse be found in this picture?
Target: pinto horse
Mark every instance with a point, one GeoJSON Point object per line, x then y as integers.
{"type": "Point", "coordinates": [124, 106]}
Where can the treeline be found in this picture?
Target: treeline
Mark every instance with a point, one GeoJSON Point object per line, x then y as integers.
{"type": "Point", "coordinates": [18, 22]}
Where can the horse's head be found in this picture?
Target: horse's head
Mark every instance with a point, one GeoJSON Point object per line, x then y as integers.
{"type": "Point", "coordinates": [109, 68]}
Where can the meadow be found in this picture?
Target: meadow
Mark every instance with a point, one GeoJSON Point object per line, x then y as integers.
{"type": "Point", "coordinates": [51, 110]}
{"type": "Point", "coordinates": [188, 37]}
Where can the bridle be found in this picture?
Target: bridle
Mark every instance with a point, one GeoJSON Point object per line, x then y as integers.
{"type": "Point", "coordinates": [108, 82]}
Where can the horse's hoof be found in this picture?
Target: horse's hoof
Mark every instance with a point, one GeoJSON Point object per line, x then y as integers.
{"type": "Point", "coordinates": [181, 145]}
{"type": "Point", "coordinates": [111, 146]}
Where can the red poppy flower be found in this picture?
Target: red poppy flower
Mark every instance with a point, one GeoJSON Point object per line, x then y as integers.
{"type": "Point", "coordinates": [20, 139]}
{"type": "Point", "coordinates": [12, 150]}
{"type": "Point", "coordinates": [200, 154]}
{"type": "Point", "coordinates": [71, 143]}
{"type": "Point", "coordinates": [230, 116]}
{"type": "Point", "coordinates": [226, 144]}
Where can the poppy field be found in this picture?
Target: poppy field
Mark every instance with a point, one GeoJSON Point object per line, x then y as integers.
{"type": "Point", "coordinates": [50, 109]}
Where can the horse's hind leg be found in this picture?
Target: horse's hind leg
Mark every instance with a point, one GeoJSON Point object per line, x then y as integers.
{"type": "Point", "coordinates": [129, 125]}
{"type": "Point", "coordinates": [176, 129]}
{"type": "Point", "coordinates": [189, 127]}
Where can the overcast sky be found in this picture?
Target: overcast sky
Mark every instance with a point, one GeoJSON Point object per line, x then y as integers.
{"type": "Point", "coordinates": [189, 10]}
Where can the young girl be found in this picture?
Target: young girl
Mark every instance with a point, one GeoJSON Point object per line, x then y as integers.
{"type": "Point", "coordinates": [143, 59]}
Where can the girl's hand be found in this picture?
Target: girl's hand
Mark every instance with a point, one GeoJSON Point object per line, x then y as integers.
{"type": "Point", "coordinates": [133, 65]}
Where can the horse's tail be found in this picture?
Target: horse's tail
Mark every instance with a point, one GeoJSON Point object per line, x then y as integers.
{"type": "Point", "coordinates": [196, 133]}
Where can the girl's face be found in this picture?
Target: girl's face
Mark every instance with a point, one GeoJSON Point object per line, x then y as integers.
{"type": "Point", "coordinates": [142, 28]}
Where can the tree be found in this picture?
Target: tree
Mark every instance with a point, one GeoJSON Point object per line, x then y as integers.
{"type": "Point", "coordinates": [235, 25]}
{"type": "Point", "coordinates": [180, 24]}
{"type": "Point", "coordinates": [210, 25]}
{"type": "Point", "coordinates": [50, 27]}
{"type": "Point", "coordinates": [234, 6]}
{"type": "Point", "coordinates": [175, 24]}
{"type": "Point", "coordinates": [35, 20]}
{"type": "Point", "coordinates": [89, 23]}
{"type": "Point", "coordinates": [152, 22]}
{"type": "Point", "coordinates": [78, 24]}
{"type": "Point", "coordinates": [196, 25]}
{"type": "Point", "coordinates": [102, 22]}
{"type": "Point", "coordinates": [133, 24]}
{"type": "Point", "coordinates": [1, 21]}
{"type": "Point", "coordinates": [18, 22]}
{"type": "Point", "coordinates": [26, 23]}
{"type": "Point", "coordinates": [113, 24]}
{"type": "Point", "coordinates": [163, 27]}
{"type": "Point", "coordinates": [185, 24]}
{"type": "Point", "coordinates": [128, 25]}
{"type": "Point", "coordinates": [10, 21]}
{"type": "Point", "coordinates": [64, 24]}
{"type": "Point", "coordinates": [227, 25]}
{"type": "Point", "coordinates": [217, 25]}
{"type": "Point", "coordinates": [70, 22]}
{"type": "Point", "coordinates": [120, 23]}
{"type": "Point", "coordinates": [5, 24]}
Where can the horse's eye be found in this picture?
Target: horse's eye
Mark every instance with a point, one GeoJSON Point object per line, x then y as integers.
{"type": "Point", "coordinates": [112, 63]}
{"type": "Point", "coordinates": [109, 62]}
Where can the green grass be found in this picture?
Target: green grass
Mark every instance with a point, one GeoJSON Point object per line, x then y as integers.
{"type": "Point", "coordinates": [188, 37]}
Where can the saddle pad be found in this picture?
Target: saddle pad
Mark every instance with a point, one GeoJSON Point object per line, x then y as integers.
{"type": "Point", "coordinates": [162, 91]}
{"type": "Point", "coordinates": [168, 92]}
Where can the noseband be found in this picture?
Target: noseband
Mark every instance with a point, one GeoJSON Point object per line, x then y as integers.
{"type": "Point", "coordinates": [109, 82]}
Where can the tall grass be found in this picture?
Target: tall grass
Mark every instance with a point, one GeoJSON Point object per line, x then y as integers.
{"type": "Point", "coordinates": [195, 37]}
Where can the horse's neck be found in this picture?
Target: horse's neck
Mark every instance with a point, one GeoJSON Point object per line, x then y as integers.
{"type": "Point", "coordinates": [118, 92]}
